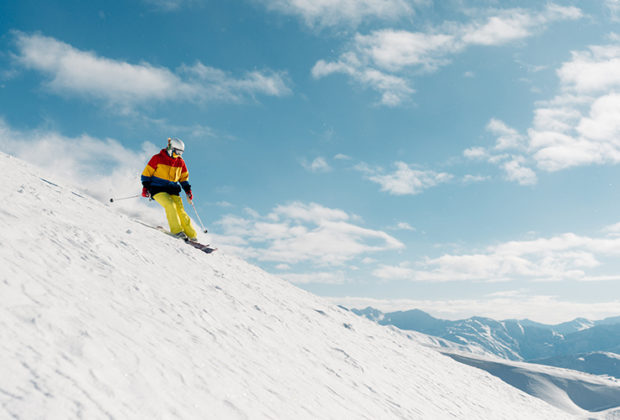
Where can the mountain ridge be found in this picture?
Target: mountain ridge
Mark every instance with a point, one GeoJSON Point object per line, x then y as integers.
{"type": "Point", "coordinates": [518, 340]}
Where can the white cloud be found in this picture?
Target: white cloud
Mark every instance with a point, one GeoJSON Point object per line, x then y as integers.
{"type": "Point", "coordinates": [580, 126]}
{"type": "Point", "coordinates": [405, 180]}
{"type": "Point", "coordinates": [341, 156]}
{"type": "Point", "coordinates": [499, 30]}
{"type": "Point", "coordinates": [404, 226]}
{"type": "Point", "coordinates": [215, 83]}
{"type": "Point", "coordinates": [300, 232]}
{"type": "Point", "coordinates": [400, 272]}
{"type": "Point", "coordinates": [470, 179]}
{"type": "Point", "coordinates": [476, 153]}
{"type": "Point", "coordinates": [515, 171]}
{"type": "Point", "coordinates": [83, 73]}
{"type": "Point", "coordinates": [313, 213]}
{"type": "Point", "coordinates": [317, 165]}
{"type": "Point", "coordinates": [612, 230]}
{"type": "Point", "coordinates": [394, 50]}
{"type": "Point", "coordinates": [507, 137]}
{"type": "Point", "coordinates": [592, 71]}
{"type": "Point", "coordinates": [556, 119]}
{"type": "Point", "coordinates": [383, 59]}
{"type": "Point", "coordinates": [508, 153]}
{"type": "Point", "coordinates": [394, 90]}
{"type": "Point", "coordinates": [562, 257]}
{"type": "Point", "coordinates": [515, 24]}
{"type": "Point", "coordinates": [509, 305]}
{"type": "Point", "coordinates": [323, 277]}
{"type": "Point", "coordinates": [224, 204]}
{"type": "Point", "coordinates": [614, 9]}
{"type": "Point", "coordinates": [602, 123]}
{"type": "Point", "coordinates": [335, 12]}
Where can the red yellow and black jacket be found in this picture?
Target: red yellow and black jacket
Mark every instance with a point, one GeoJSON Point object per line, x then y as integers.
{"type": "Point", "coordinates": [163, 173]}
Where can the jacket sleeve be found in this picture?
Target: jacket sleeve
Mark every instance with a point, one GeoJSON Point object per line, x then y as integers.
{"type": "Point", "coordinates": [148, 172]}
{"type": "Point", "coordinates": [184, 180]}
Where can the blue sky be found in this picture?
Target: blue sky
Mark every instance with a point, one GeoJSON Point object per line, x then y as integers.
{"type": "Point", "coordinates": [459, 156]}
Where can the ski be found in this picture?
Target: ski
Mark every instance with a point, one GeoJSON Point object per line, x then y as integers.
{"type": "Point", "coordinates": [202, 247]}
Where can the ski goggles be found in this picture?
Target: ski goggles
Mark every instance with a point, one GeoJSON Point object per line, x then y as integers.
{"type": "Point", "coordinates": [179, 152]}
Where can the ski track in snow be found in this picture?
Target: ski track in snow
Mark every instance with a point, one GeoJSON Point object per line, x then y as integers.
{"type": "Point", "coordinates": [103, 318]}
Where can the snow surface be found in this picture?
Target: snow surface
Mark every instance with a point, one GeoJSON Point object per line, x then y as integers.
{"type": "Point", "coordinates": [102, 317]}
{"type": "Point", "coordinates": [572, 391]}
{"type": "Point", "coordinates": [587, 395]}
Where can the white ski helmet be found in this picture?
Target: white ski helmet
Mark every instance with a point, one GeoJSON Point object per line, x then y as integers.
{"type": "Point", "coordinates": [175, 146]}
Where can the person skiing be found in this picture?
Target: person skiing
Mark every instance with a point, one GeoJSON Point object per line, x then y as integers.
{"type": "Point", "coordinates": [160, 180]}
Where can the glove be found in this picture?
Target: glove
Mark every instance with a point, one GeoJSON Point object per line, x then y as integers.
{"type": "Point", "coordinates": [190, 196]}
{"type": "Point", "coordinates": [145, 193]}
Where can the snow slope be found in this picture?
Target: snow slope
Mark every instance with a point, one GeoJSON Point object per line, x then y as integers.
{"type": "Point", "coordinates": [597, 363]}
{"type": "Point", "coordinates": [102, 317]}
{"type": "Point", "coordinates": [574, 392]}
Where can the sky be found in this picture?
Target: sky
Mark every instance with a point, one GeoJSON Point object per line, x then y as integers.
{"type": "Point", "coordinates": [459, 157]}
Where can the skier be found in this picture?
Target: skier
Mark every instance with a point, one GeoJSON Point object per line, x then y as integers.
{"type": "Point", "coordinates": [160, 180]}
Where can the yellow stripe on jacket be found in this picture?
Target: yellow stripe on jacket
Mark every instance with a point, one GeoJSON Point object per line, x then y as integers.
{"type": "Point", "coordinates": [169, 173]}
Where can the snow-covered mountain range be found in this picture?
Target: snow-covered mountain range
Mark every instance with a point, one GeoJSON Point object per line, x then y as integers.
{"type": "Point", "coordinates": [103, 317]}
{"type": "Point", "coordinates": [581, 344]}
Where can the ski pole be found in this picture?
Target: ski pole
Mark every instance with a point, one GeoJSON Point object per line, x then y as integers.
{"type": "Point", "coordinates": [195, 211]}
{"type": "Point", "coordinates": [124, 198]}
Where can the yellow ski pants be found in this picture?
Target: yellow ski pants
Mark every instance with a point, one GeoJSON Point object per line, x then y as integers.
{"type": "Point", "coordinates": [175, 213]}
